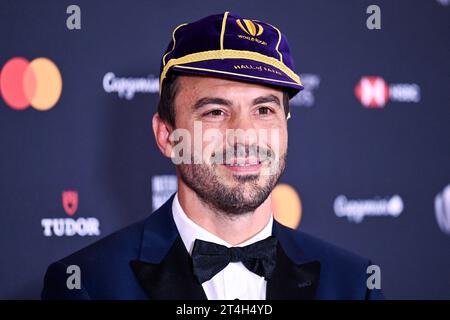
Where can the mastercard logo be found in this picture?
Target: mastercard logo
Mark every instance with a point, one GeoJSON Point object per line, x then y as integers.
{"type": "Point", "coordinates": [37, 83]}
{"type": "Point", "coordinates": [286, 205]}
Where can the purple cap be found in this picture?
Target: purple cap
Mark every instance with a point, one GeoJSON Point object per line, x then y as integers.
{"type": "Point", "coordinates": [228, 46]}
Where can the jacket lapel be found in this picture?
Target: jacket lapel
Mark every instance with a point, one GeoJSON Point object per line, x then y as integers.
{"type": "Point", "coordinates": [164, 267]}
{"type": "Point", "coordinates": [172, 279]}
{"type": "Point", "coordinates": [295, 276]}
{"type": "Point", "coordinates": [291, 281]}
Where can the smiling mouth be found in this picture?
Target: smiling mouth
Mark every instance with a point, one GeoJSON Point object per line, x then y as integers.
{"type": "Point", "coordinates": [247, 165]}
{"type": "Point", "coordinates": [242, 162]}
{"type": "Point", "coordinates": [243, 165]}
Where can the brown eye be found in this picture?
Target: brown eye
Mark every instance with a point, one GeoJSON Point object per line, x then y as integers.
{"type": "Point", "coordinates": [264, 110]}
{"type": "Point", "coordinates": [215, 113]}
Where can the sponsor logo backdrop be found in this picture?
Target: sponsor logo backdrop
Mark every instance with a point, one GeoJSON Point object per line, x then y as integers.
{"type": "Point", "coordinates": [369, 155]}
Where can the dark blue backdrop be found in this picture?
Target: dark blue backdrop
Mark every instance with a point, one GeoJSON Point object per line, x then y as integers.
{"type": "Point", "coordinates": [390, 163]}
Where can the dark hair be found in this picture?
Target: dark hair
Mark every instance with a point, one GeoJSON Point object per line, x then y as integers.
{"type": "Point", "coordinates": [166, 105]}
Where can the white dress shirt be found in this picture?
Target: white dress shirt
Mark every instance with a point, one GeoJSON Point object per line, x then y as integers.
{"type": "Point", "coordinates": [235, 281]}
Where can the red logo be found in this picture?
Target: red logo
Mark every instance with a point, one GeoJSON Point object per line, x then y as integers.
{"type": "Point", "coordinates": [70, 201]}
{"type": "Point", "coordinates": [36, 83]}
{"type": "Point", "coordinates": [372, 92]}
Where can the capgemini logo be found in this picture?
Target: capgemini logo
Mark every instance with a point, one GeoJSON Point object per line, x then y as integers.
{"type": "Point", "coordinates": [442, 209]}
{"type": "Point", "coordinates": [128, 87]}
{"type": "Point", "coordinates": [356, 209]}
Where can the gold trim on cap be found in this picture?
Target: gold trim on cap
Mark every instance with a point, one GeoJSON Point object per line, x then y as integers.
{"type": "Point", "coordinates": [278, 43]}
{"type": "Point", "coordinates": [173, 39]}
{"type": "Point", "coordinates": [222, 32]}
{"type": "Point", "coordinates": [228, 54]}
{"type": "Point", "coordinates": [236, 74]}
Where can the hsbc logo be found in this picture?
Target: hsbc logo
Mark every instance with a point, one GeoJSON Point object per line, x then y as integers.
{"type": "Point", "coordinates": [69, 226]}
{"type": "Point", "coordinates": [373, 92]}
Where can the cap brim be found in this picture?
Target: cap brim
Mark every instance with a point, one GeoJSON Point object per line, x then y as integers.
{"type": "Point", "coordinates": [244, 70]}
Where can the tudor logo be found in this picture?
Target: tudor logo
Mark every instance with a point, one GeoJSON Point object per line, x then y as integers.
{"type": "Point", "coordinates": [69, 227]}
{"type": "Point", "coordinates": [253, 29]}
{"type": "Point", "coordinates": [70, 202]}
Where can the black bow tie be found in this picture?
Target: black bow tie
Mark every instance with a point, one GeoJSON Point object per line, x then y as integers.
{"type": "Point", "coordinates": [210, 258]}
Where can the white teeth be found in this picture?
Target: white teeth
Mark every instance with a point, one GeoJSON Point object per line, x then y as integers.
{"type": "Point", "coordinates": [243, 164]}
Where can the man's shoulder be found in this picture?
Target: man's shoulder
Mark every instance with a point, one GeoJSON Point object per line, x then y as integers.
{"type": "Point", "coordinates": [343, 274]}
{"type": "Point", "coordinates": [317, 247]}
{"type": "Point", "coordinates": [120, 244]}
{"type": "Point", "coordinates": [126, 243]}
{"type": "Point", "coordinates": [314, 248]}
{"type": "Point", "coordinates": [103, 264]}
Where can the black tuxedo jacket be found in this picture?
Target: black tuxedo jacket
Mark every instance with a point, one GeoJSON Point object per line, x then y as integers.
{"type": "Point", "coordinates": [148, 260]}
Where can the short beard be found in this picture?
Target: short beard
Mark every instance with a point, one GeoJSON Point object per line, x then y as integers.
{"type": "Point", "coordinates": [229, 201]}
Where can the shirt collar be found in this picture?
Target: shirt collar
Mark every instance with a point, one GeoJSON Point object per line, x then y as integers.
{"type": "Point", "coordinates": [189, 230]}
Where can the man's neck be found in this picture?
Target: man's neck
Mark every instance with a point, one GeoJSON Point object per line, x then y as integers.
{"type": "Point", "coordinates": [233, 230]}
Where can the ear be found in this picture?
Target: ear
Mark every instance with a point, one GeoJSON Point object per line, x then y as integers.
{"type": "Point", "coordinates": [162, 132]}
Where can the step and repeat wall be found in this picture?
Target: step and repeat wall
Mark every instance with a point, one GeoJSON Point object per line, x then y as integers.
{"type": "Point", "coordinates": [369, 138]}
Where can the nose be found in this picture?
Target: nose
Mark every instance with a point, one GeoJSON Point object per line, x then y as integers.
{"type": "Point", "coordinates": [241, 130]}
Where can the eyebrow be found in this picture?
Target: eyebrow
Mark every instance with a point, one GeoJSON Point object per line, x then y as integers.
{"type": "Point", "coordinates": [209, 100]}
{"type": "Point", "coordinates": [267, 99]}
{"type": "Point", "coordinates": [224, 102]}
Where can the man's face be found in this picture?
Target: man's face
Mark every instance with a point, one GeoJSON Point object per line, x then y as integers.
{"type": "Point", "coordinates": [241, 151]}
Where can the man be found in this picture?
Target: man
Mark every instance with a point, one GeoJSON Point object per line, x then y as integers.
{"type": "Point", "coordinates": [230, 79]}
